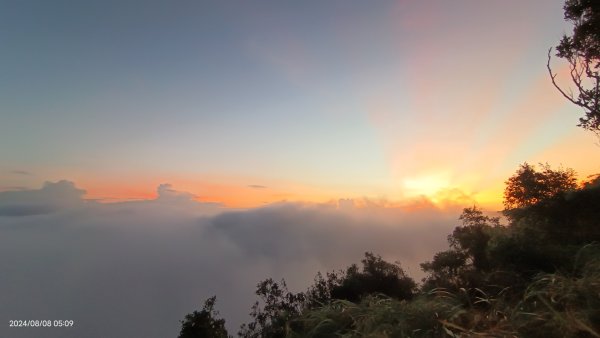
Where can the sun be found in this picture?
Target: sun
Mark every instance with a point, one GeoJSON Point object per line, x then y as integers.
{"type": "Point", "coordinates": [426, 185]}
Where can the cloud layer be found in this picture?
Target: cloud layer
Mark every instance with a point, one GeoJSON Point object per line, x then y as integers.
{"type": "Point", "coordinates": [134, 269]}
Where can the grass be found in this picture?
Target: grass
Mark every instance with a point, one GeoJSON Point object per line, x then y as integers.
{"type": "Point", "coordinates": [553, 305]}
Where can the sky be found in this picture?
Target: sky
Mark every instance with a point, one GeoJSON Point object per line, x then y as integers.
{"type": "Point", "coordinates": [250, 103]}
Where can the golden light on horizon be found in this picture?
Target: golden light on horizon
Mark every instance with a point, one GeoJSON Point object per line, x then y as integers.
{"type": "Point", "coordinates": [427, 185]}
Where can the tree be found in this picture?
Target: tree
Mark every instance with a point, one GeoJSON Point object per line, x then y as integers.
{"type": "Point", "coordinates": [529, 186]}
{"type": "Point", "coordinates": [276, 308]}
{"type": "Point", "coordinates": [204, 324]}
{"type": "Point", "coordinates": [446, 269]}
{"type": "Point", "coordinates": [274, 314]}
{"type": "Point", "coordinates": [582, 52]}
{"type": "Point", "coordinates": [468, 254]}
{"type": "Point", "coordinates": [377, 276]}
{"type": "Point", "coordinates": [472, 238]}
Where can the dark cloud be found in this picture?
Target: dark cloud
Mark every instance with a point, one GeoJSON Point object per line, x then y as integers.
{"type": "Point", "coordinates": [26, 210]}
{"type": "Point", "coordinates": [51, 197]}
{"type": "Point", "coordinates": [21, 172]}
{"type": "Point", "coordinates": [12, 188]}
{"type": "Point", "coordinates": [134, 269]}
{"type": "Point", "coordinates": [257, 186]}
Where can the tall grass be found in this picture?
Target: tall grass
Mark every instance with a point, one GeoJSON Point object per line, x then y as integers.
{"type": "Point", "coordinates": [553, 305]}
{"type": "Point", "coordinates": [566, 305]}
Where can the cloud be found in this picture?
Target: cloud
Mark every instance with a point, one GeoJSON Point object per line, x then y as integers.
{"type": "Point", "coordinates": [167, 194]}
{"type": "Point", "coordinates": [25, 210]}
{"type": "Point", "coordinates": [15, 187]}
{"type": "Point", "coordinates": [257, 186]}
{"type": "Point", "coordinates": [21, 172]}
{"type": "Point", "coordinates": [141, 266]}
{"type": "Point", "coordinates": [287, 233]}
{"type": "Point", "coordinates": [51, 197]}
{"type": "Point", "coordinates": [346, 203]}
{"type": "Point", "coordinates": [171, 200]}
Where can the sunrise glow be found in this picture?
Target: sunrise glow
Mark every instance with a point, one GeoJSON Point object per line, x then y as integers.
{"type": "Point", "coordinates": [410, 106]}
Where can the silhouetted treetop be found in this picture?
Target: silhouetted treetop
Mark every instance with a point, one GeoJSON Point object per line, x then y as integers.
{"type": "Point", "coordinates": [529, 186]}
{"type": "Point", "coordinates": [581, 50]}
{"type": "Point", "coordinates": [204, 324]}
{"type": "Point", "coordinates": [377, 276]}
{"type": "Point", "coordinates": [585, 40]}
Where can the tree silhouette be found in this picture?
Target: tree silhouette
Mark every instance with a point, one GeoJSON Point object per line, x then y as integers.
{"type": "Point", "coordinates": [582, 52]}
{"type": "Point", "coordinates": [271, 314]}
{"type": "Point", "coordinates": [204, 324]}
{"type": "Point", "coordinates": [468, 254]}
{"type": "Point", "coordinates": [472, 238]}
{"type": "Point", "coordinates": [377, 276]}
{"type": "Point", "coordinates": [529, 186]}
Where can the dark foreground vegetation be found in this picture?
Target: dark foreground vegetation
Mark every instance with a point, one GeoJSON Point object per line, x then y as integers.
{"type": "Point", "coordinates": [538, 275]}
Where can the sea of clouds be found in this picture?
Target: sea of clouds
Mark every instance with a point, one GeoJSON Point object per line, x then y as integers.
{"type": "Point", "coordinates": [134, 269]}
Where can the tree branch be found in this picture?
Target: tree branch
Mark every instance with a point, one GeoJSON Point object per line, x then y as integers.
{"type": "Point", "coordinates": [553, 78]}
{"type": "Point", "coordinates": [576, 75]}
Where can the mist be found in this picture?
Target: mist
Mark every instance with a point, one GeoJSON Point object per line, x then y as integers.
{"type": "Point", "coordinates": [134, 269]}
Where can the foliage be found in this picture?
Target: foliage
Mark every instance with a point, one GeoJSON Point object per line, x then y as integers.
{"type": "Point", "coordinates": [472, 238]}
{"type": "Point", "coordinates": [204, 324]}
{"type": "Point", "coordinates": [565, 305]}
{"type": "Point", "coordinates": [581, 50]}
{"type": "Point", "coordinates": [375, 316]}
{"type": "Point", "coordinates": [446, 269]}
{"type": "Point", "coordinates": [278, 305]}
{"type": "Point", "coordinates": [468, 254]}
{"type": "Point", "coordinates": [552, 305]}
{"type": "Point", "coordinates": [529, 186]}
{"type": "Point", "coordinates": [593, 181]}
{"type": "Point", "coordinates": [566, 218]}
{"type": "Point", "coordinates": [377, 276]}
